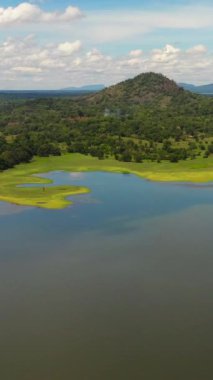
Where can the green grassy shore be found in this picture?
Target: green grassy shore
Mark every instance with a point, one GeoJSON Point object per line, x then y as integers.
{"type": "Point", "coordinates": [55, 197]}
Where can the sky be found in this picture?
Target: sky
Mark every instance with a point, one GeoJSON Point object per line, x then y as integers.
{"type": "Point", "coordinates": [47, 44]}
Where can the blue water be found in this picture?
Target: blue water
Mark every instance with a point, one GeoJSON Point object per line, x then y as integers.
{"type": "Point", "coordinates": [118, 286]}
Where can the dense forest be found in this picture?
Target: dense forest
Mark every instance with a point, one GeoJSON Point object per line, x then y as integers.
{"type": "Point", "coordinates": [145, 118]}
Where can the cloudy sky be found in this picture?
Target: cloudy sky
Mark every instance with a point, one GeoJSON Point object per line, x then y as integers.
{"type": "Point", "coordinates": [47, 44]}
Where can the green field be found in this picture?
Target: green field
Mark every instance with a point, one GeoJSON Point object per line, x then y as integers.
{"type": "Point", "coordinates": [55, 197]}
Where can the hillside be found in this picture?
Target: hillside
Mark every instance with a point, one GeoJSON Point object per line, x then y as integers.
{"type": "Point", "coordinates": [148, 117]}
{"type": "Point", "coordinates": [147, 88]}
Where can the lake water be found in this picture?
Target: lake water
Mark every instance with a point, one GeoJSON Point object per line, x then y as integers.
{"type": "Point", "coordinates": [118, 286]}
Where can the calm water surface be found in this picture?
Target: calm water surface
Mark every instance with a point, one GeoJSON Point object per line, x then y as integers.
{"type": "Point", "coordinates": [118, 286]}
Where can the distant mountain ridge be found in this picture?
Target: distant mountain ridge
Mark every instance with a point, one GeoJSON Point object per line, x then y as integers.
{"type": "Point", "coordinates": [204, 89]}
{"type": "Point", "coordinates": [91, 87]}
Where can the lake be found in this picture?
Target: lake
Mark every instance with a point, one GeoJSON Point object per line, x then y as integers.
{"type": "Point", "coordinates": [116, 287]}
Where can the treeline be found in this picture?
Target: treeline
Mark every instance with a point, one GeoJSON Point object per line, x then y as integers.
{"type": "Point", "coordinates": [44, 127]}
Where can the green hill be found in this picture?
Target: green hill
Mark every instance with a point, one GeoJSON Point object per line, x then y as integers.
{"type": "Point", "coordinates": [148, 117]}
{"type": "Point", "coordinates": [147, 88]}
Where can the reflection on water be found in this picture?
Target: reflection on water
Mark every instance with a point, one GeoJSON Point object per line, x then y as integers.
{"type": "Point", "coordinates": [77, 175]}
{"type": "Point", "coordinates": [8, 209]}
{"type": "Point", "coordinates": [118, 286]}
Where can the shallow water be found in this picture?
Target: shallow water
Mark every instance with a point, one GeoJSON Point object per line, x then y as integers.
{"type": "Point", "coordinates": [116, 287]}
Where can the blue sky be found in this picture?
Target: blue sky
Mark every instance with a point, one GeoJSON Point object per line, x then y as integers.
{"type": "Point", "coordinates": [110, 4]}
{"type": "Point", "coordinates": [96, 4]}
{"type": "Point", "coordinates": [86, 41]}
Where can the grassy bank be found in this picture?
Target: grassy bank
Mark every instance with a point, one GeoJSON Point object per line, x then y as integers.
{"type": "Point", "coordinates": [199, 170]}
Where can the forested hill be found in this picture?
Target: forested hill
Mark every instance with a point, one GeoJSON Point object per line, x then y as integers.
{"type": "Point", "coordinates": [145, 89]}
{"type": "Point", "coordinates": [145, 118]}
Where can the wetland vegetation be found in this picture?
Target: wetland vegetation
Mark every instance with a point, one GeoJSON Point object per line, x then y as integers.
{"type": "Point", "coordinates": [12, 183]}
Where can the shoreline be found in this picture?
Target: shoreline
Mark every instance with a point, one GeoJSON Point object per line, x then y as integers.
{"type": "Point", "coordinates": [199, 170]}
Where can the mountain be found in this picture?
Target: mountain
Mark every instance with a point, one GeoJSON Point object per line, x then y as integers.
{"type": "Point", "coordinates": [205, 89]}
{"type": "Point", "coordinates": [147, 88]}
{"type": "Point", "coordinates": [89, 88]}
{"type": "Point", "coordinates": [187, 86]}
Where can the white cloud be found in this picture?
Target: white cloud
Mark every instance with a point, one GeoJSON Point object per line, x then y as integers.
{"type": "Point", "coordinates": [26, 64]}
{"type": "Point", "coordinates": [70, 13]}
{"type": "Point", "coordinates": [128, 26]}
{"type": "Point", "coordinates": [168, 54]}
{"type": "Point", "coordinates": [95, 56]}
{"type": "Point", "coordinates": [31, 13]}
{"type": "Point", "coordinates": [69, 47]}
{"type": "Point", "coordinates": [119, 25]}
{"type": "Point", "coordinates": [77, 61]}
{"type": "Point", "coordinates": [135, 53]}
{"type": "Point", "coordinates": [27, 70]}
{"type": "Point", "coordinates": [198, 49]}
{"type": "Point", "coordinates": [131, 62]}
